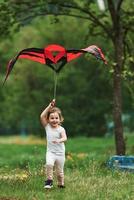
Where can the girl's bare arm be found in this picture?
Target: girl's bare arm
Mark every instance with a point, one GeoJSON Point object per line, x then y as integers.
{"type": "Point", "coordinates": [62, 139]}
{"type": "Point", "coordinates": [43, 116]}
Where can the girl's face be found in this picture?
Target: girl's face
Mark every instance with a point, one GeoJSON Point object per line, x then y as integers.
{"type": "Point", "coordinates": [54, 119]}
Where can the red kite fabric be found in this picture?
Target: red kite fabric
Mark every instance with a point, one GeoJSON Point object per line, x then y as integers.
{"type": "Point", "coordinates": [55, 56]}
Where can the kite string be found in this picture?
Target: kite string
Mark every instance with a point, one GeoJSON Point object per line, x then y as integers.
{"type": "Point", "coordinates": [55, 84]}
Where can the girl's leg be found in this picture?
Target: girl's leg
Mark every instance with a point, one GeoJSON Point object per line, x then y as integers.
{"type": "Point", "coordinates": [49, 165]}
{"type": "Point", "coordinates": [59, 164]}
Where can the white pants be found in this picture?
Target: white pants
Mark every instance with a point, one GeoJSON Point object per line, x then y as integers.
{"type": "Point", "coordinates": [53, 159]}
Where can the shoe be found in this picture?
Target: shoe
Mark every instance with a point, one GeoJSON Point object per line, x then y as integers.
{"type": "Point", "coordinates": [48, 184]}
{"type": "Point", "coordinates": [61, 186]}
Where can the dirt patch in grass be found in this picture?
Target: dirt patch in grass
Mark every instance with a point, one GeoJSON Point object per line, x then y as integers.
{"type": "Point", "coordinates": [8, 198]}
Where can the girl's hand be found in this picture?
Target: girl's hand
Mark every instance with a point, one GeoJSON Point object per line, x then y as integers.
{"type": "Point", "coordinates": [56, 141]}
{"type": "Point", "coordinates": [52, 103]}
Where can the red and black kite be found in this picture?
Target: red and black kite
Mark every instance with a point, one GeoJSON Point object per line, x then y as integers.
{"type": "Point", "coordinates": [54, 56]}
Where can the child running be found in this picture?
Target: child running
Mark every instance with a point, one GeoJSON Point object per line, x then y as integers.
{"type": "Point", "coordinates": [51, 119]}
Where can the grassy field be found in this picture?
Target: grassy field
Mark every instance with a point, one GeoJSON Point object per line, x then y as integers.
{"type": "Point", "coordinates": [86, 174]}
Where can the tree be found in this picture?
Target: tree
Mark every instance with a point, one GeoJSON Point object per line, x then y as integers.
{"type": "Point", "coordinates": [115, 22]}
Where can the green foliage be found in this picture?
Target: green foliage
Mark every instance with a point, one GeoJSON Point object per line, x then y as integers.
{"type": "Point", "coordinates": [7, 20]}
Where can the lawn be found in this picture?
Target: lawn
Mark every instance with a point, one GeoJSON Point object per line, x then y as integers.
{"type": "Point", "coordinates": [86, 174]}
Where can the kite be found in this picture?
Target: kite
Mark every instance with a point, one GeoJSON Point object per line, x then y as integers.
{"type": "Point", "coordinates": [54, 56]}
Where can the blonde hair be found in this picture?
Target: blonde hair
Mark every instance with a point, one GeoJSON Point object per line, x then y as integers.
{"type": "Point", "coordinates": [53, 110]}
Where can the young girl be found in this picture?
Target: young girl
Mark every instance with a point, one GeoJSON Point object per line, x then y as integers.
{"type": "Point", "coordinates": [51, 119]}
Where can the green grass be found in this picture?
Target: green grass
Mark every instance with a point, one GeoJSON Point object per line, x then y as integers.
{"type": "Point", "coordinates": [86, 175]}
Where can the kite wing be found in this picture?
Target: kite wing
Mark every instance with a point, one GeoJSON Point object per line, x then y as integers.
{"type": "Point", "coordinates": [34, 54]}
{"type": "Point", "coordinates": [94, 50]}
{"type": "Point", "coordinates": [55, 56]}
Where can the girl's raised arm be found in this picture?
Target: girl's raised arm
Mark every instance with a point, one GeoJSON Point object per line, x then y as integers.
{"type": "Point", "coordinates": [43, 116]}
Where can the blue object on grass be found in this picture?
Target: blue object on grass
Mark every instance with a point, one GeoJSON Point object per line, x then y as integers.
{"type": "Point", "coordinates": [125, 163]}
